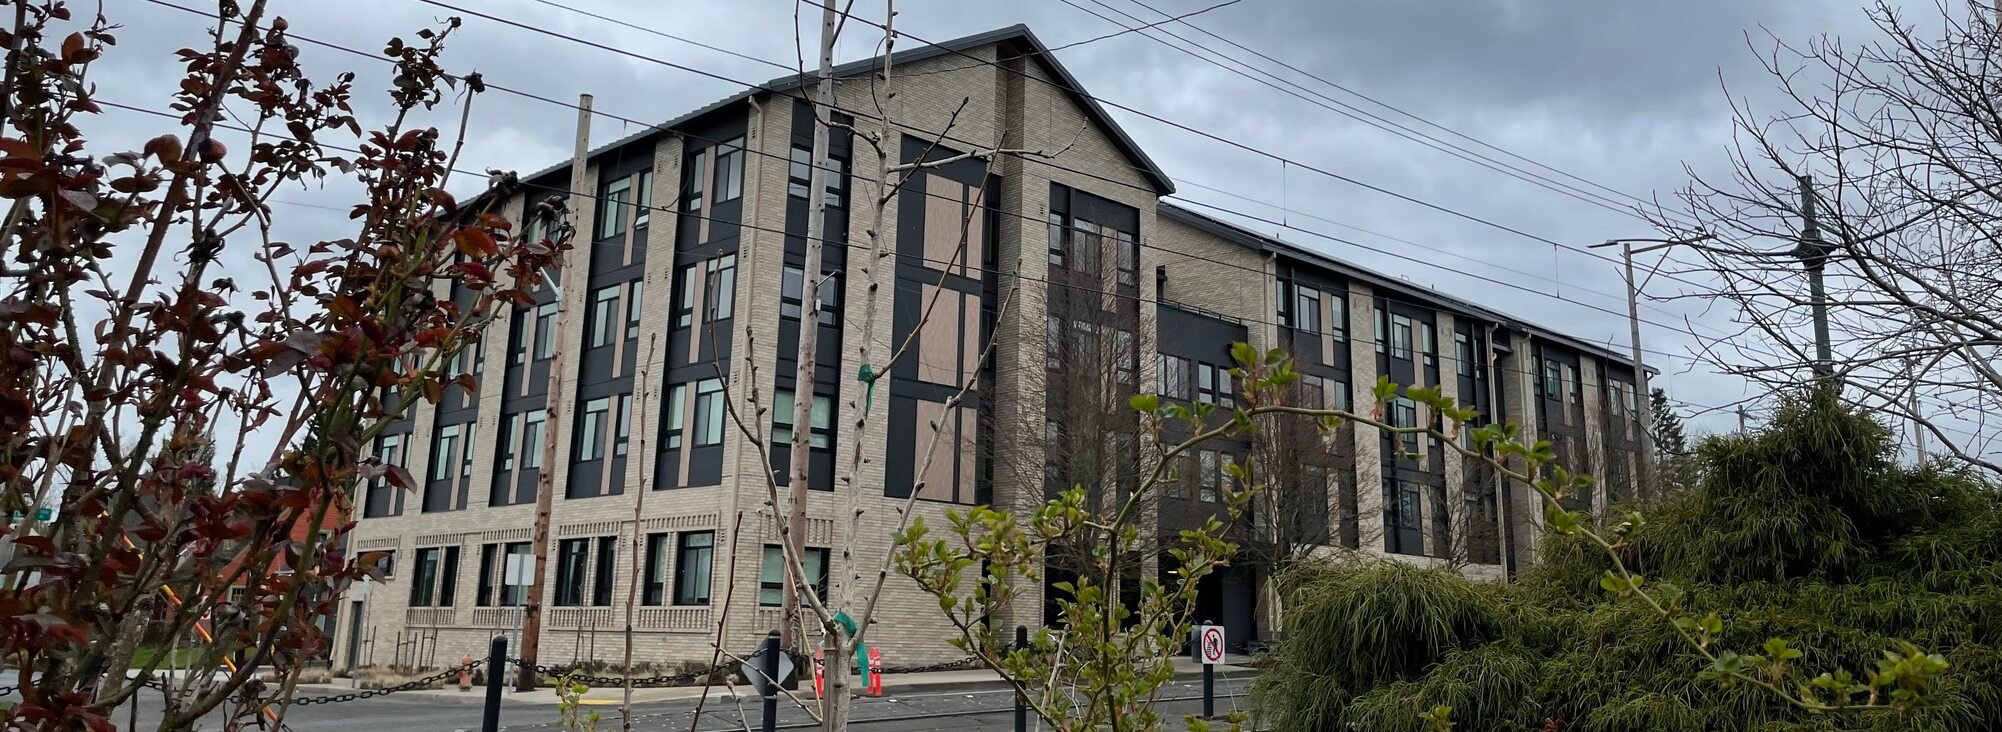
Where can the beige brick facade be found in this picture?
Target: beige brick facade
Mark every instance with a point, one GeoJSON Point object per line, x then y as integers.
{"type": "Point", "coordinates": [1012, 102]}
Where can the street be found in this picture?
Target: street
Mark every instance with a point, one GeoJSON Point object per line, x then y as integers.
{"type": "Point", "coordinates": [966, 711]}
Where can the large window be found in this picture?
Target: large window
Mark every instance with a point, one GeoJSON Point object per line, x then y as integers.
{"type": "Point", "coordinates": [693, 177]}
{"type": "Point", "coordinates": [1174, 378]}
{"type": "Point", "coordinates": [1213, 385]}
{"type": "Point", "coordinates": [643, 210]}
{"type": "Point", "coordinates": [614, 197]}
{"type": "Point", "coordinates": [516, 594]}
{"type": "Point", "coordinates": [622, 433]}
{"type": "Point", "coordinates": [1400, 337]}
{"type": "Point", "coordinates": [1206, 475]}
{"type": "Point", "coordinates": [709, 412]}
{"type": "Point", "coordinates": [652, 590]}
{"type": "Point", "coordinates": [571, 571]}
{"type": "Point", "coordinates": [723, 287]}
{"type": "Point", "coordinates": [691, 567]}
{"type": "Point", "coordinates": [1127, 258]}
{"type": "Point", "coordinates": [1428, 343]}
{"type": "Point", "coordinates": [782, 411]}
{"type": "Point", "coordinates": [519, 333]}
{"type": "Point", "coordinates": [603, 571]}
{"type": "Point", "coordinates": [1463, 353]}
{"type": "Point", "coordinates": [435, 578]}
{"type": "Point", "coordinates": [633, 302]}
{"type": "Point", "coordinates": [591, 429]}
{"type": "Point", "coordinates": [1058, 237]}
{"type": "Point", "coordinates": [531, 439]}
{"type": "Point", "coordinates": [800, 171]}
{"type": "Point", "coordinates": [1307, 309]}
{"type": "Point", "coordinates": [604, 325]}
{"type": "Point", "coordinates": [684, 308]}
{"type": "Point", "coordinates": [671, 417]}
{"type": "Point", "coordinates": [792, 294]}
{"type": "Point", "coordinates": [772, 577]}
{"type": "Point", "coordinates": [730, 170]}
{"type": "Point", "coordinates": [545, 331]}
{"type": "Point", "coordinates": [1382, 329]}
{"type": "Point", "coordinates": [443, 455]}
{"type": "Point", "coordinates": [1404, 413]}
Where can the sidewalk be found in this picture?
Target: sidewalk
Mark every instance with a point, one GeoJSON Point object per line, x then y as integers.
{"type": "Point", "coordinates": [893, 684]}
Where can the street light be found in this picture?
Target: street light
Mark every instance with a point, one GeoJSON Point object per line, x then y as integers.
{"type": "Point", "coordinates": [1627, 252]}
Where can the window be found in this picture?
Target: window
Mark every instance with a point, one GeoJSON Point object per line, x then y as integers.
{"type": "Point", "coordinates": [1338, 308]}
{"type": "Point", "coordinates": [604, 317]}
{"type": "Point", "coordinates": [545, 331]}
{"type": "Point", "coordinates": [1427, 344]}
{"type": "Point", "coordinates": [1058, 233]}
{"type": "Point", "coordinates": [792, 294]}
{"type": "Point", "coordinates": [708, 412]}
{"type": "Point", "coordinates": [1206, 473]}
{"type": "Point", "coordinates": [723, 284]}
{"type": "Point", "coordinates": [642, 211]}
{"type": "Point", "coordinates": [1548, 386]}
{"type": "Point", "coordinates": [691, 567]}
{"type": "Point", "coordinates": [1311, 392]}
{"type": "Point", "coordinates": [782, 409]}
{"type": "Point", "coordinates": [602, 571]}
{"type": "Point", "coordinates": [591, 429]}
{"type": "Point", "coordinates": [1213, 385]}
{"type": "Point", "coordinates": [836, 168]}
{"type": "Point", "coordinates": [692, 178]}
{"type": "Point", "coordinates": [654, 587]}
{"type": "Point", "coordinates": [510, 426]}
{"type": "Point", "coordinates": [518, 353]}
{"type": "Point", "coordinates": [466, 451]}
{"type": "Point", "coordinates": [730, 170]}
{"type": "Point", "coordinates": [684, 309]}
{"type": "Point", "coordinates": [1054, 345]}
{"type": "Point", "coordinates": [1307, 314]}
{"type": "Point", "coordinates": [1084, 247]}
{"type": "Point", "coordinates": [1382, 328]}
{"type": "Point", "coordinates": [1173, 377]}
{"type": "Point", "coordinates": [671, 419]}
{"type": "Point", "coordinates": [1125, 359]}
{"type": "Point", "coordinates": [614, 197]}
{"type": "Point", "coordinates": [441, 457]}
{"type": "Point", "coordinates": [772, 576]}
{"type": "Point", "coordinates": [531, 439]}
{"type": "Point", "coordinates": [1225, 461]}
{"type": "Point", "coordinates": [1463, 352]}
{"type": "Point", "coordinates": [1404, 413]}
{"type": "Point", "coordinates": [633, 309]}
{"type": "Point", "coordinates": [424, 583]}
{"type": "Point", "coordinates": [799, 174]}
{"type": "Point", "coordinates": [622, 434]}
{"type": "Point", "coordinates": [1127, 258]}
{"type": "Point", "coordinates": [1400, 337]}
{"type": "Point", "coordinates": [570, 566]}
{"type": "Point", "coordinates": [489, 559]}
{"type": "Point", "coordinates": [381, 498]}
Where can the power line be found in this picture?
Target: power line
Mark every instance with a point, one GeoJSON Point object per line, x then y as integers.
{"type": "Point", "coordinates": [1347, 110]}
{"type": "Point", "coordinates": [1394, 108]}
{"type": "Point", "coordinates": [836, 170]}
{"type": "Point", "coordinates": [917, 257]}
{"type": "Point", "coordinates": [1116, 34]}
{"type": "Point", "coordinates": [863, 114]}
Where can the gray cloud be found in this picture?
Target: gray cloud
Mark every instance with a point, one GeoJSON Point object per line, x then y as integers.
{"type": "Point", "coordinates": [1620, 93]}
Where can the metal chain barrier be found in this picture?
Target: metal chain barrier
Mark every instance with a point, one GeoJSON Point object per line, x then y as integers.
{"type": "Point", "coordinates": [964, 663]}
{"type": "Point", "coordinates": [405, 686]}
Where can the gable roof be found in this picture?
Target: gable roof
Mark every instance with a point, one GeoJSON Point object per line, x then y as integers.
{"type": "Point", "coordinates": [1020, 34]}
{"type": "Point", "coordinates": [1035, 49]}
{"type": "Point", "coordinates": [1379, 281]}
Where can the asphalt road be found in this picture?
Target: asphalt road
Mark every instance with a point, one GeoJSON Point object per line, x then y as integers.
{"type": "Point", "coordinates": [963, 711]}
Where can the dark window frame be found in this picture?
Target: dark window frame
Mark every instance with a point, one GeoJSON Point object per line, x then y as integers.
{"type": "Point", "coordinates": [689, 589]}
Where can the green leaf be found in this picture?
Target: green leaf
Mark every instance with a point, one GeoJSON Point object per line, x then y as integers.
{"type": "Point", "coordinates": [1145, 403]}
{"type": "Point", "coordinates": [1384, 389]}
{"type": "Point", "coordinates": [1243, 353]}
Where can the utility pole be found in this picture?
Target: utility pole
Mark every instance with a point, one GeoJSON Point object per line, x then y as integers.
{"type": "Point", "coordinates": [1918, 422]}
{"type": "Point", "coordinates": [1640, 369]}
{"type": "Point", "coordinates": [1813, 253]}
{"type": "Point", "coordinates": [545, 479]}
{"type": "Point", "coordinates": [1741, 419]}
{"type": "Point", "coordinates": [1627, 252]}
{"type": "Point", "coordinates": [809, 328]}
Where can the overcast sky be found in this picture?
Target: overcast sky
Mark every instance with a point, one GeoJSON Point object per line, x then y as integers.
{"type": "Point", "coordinates": [1619, 94]}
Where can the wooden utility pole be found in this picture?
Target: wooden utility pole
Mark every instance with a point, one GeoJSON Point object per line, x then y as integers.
{"type": "Point", "coordinates": [552, 417]}
{"type": "Point", "coordinates": [1813, 254]}
{"type": "Point", "coordinates": [809, 327]}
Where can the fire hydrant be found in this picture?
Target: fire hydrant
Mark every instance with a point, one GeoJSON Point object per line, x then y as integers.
{"type": "Point", "coordinates": [465, 673]}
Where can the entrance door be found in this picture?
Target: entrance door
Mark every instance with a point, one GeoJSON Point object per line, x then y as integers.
{"type": "Point", "coordinates": [354, 635]}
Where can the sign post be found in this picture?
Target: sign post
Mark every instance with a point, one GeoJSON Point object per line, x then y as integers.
{"type": "Point", "coordinates": [1209, 650]}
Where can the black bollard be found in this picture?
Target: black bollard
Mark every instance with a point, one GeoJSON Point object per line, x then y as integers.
{"type": "Point", "coordinates": [1209, 682]}
{"type": "Point", "coordinates": [771, 671]}
{"type": "Point", "coordinates": [496, 665]}
{"type": "Point", "coordinates": [1021, 703]}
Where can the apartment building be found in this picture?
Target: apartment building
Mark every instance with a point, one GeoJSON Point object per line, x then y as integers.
{"type": "Point", "coordinates": [688, 271]}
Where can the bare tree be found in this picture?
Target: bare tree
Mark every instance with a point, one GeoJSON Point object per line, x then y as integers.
{"type": "Point", "coordinates": [1893, 145]}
